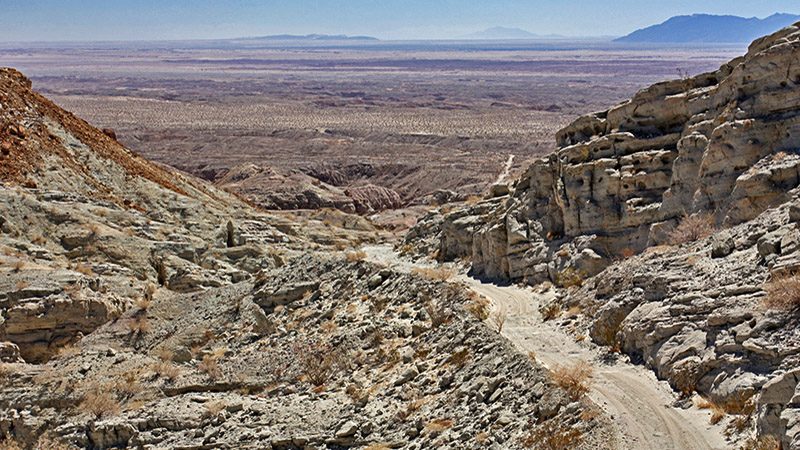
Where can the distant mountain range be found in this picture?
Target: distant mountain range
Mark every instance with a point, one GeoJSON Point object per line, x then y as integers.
{"type": "Point", "coordinates": [504, 33]}
{"type": "Point", "coordinates": [706, 28]}
{"type": "Point", "coordinates": [310, 37]}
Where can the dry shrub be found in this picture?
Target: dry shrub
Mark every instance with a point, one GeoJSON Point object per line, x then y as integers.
{"type": "Point", "coordinates": [127, 386]}
{"type": "Point", "coordinates": [741, 405]}
{"type": "Point", "coordinates": [438, 425]}
{"type": "Point", "coordinates": [692, 228]}
{"type": "Point", "coordinates": [473, 200]}
{"type": "Point", "coordinates": [569, 278]}
{"type": "Point", "coordinates": [478, 306]}
{"type": "Point", "coordinates": [499, 319]}
{"type": "Point", "coordinates": [685, 377]}
{"type": "Point", "coordinates": [6, 371]}
{"type": "Point", "coordinates": [329, 326]}
{"type": "Point", "coordinates": [166, 369]}
{"type": "Point", "coordinates": [550, 311]}
{"type": "Point", "coordinates": [214, 408]}
{"type": "Point", "coordinates": [482, 437]}
{"type": "Point", "coordinates": [84, 269]}
{"type": "Point", "coordinates": [8, 443]}
{"type": "Point", "coordinates": [553, 435]}
{"type": "Point", "coordinates": [783, 292]}
{"type": "Point", "coordinates": [573, 379]}
{"type": "Point", "coordinates": [459, 358]}
{"type": "Point", "coordinates": [18, 265]}
{"type": "Point", "coordinates": [51, 443]}
{"type": "Point", "coordinates": [379, 446]}
{"type": "Point", "coordinates": [318, 361]}
{"type": "Point", "coordinates": [143, 303]}
{"type": "Point", "coordinates": [438, 314]}
{"type": "Point", "coordinates": [434, 273]}
{"type": "Point", "coordinates": [100, 403]}
{"type": "Point", "coordinates": [412, 407]}
{"type": "Point", "coordinates": [21, 284]}
{"type": "Point", "coordinates": [761, 443]}
{"type": "Point", "coordinates": [356, 256]}
{"type": "Point", "coordinates": [139, 325]}
{"type": "Point", "coordinates": [210, 363]}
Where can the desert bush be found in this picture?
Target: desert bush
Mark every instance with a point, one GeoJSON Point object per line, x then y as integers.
{"type": "Point", "coordinates": [318, 361]}
{"type": "Point", "coordinates": [499, 319]}
{"type": "Point", "coordinates": [84, 269]}
{"type": "Point", "coordinates": [210, 363]}
{"type": "Point", "coordinates": [100, 403]}
{"type": "Point", "coordinates": [214, 408]}
{"type": "Point", "coordinates": [783, 292]}
{"type": "Point", "coordinates": [143, 303]}
{"type": "Point", "coordinates": [166, 369]}
{"type": "Point", "coordinates": [6, 371]}
{"type": "Point", "coordinates": [51, 443]}
{"type": "Point", "coordinates": [685, 377]}
{"type": "Point", "coordinates": [570, 277]}
{"type": "Point", "coordinates": [692, 228]}
{"type": "Point", "coordinates": [550, 311]}
{"type": "Point", "coordinates": [459, 358]}
{"type": "Point", "coordinates": [740, 405]}
{"type": "Point", "coordinates": [761, 443]}
{"type": "Point", "coordinates": [438, 425]}
{"type": "Point", "coordinates": [356, 256]}
{"type": "Point", "coordinates": [478, 306]}
{"type": "Point", "coordinates": [573, 379]}
{"type": "Point", "coordinates": [434, 273]}
{"type": "Point", "coordinates": [553, 435]}
{"type": "Point", "coordinates": [8, 443]}
{"type": "Point", "coordinates": [18, 265]}
{"type": "Point", "coordinates": [138, 325]}
{"type": "Point", "coordinates": [127, 385]}
{"type": "Point", "coordinates": [717, 413]}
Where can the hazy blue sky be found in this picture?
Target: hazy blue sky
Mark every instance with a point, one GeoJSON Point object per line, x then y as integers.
{"type": "Point", "coordinates": [25, 20]}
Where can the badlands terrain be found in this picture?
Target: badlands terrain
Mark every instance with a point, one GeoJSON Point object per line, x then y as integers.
{"type": "Point", "coordinates": [634, 289]}
{"type": "Point", "coordinates": [361, 127]}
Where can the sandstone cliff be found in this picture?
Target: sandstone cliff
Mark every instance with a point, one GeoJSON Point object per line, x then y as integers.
{"type": "Point", "coordinates": [721, 142]}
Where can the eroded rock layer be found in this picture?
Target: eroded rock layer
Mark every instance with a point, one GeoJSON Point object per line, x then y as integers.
{"type": "Point", "coordinates": [722, 142]}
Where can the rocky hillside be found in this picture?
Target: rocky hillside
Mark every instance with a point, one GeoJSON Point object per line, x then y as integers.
{"type": "Point", "coordinates": [143, 308]}
{"type": "Point", "coordinates": [699, 178]}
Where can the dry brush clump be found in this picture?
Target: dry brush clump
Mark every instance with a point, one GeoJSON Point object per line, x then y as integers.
{"type": "Point", "coordinates": [499, 319]}
{"type": "Point", "coordinates": [761, 443]}
{"type": "Point", "coordinates": [692, 228]}
{"type": "Point", "coordinates": [210, 363]}
{"type": "Point", "coordinates": [434, 273]}
{"type": "Point", "coordinates": [479, 306]}
{"type": "Point", "coordinates": [318, 361]}
{"type": "Point", "coordinates": [438, 313]}
{"type": "Point", "coordinates": [100, 403]}
{"type": "Point", "coordinates": [570, 278]}
{"type": "Point", "coordinates": [783, 292]}
{"type": "Point", "coordinates": [356, 256]}
{"type": "Point", "coordinates": [553, 435]}
{"type": "Point", "coordinates": [574, 379]}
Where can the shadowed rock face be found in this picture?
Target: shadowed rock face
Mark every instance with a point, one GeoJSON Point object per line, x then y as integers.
{"type": "Point", "coordinates": [721, 142]}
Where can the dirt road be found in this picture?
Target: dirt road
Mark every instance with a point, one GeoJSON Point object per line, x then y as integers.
{"type": "Point", "coordinates": [639, 405]}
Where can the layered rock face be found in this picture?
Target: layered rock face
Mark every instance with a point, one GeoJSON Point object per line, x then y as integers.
{"type": "Point", "coordinates": [721, 142]}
